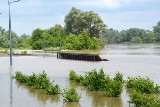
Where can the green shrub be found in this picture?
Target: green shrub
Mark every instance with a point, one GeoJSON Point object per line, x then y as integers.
{"type": "Point", "coordinates": [96, 80]}
{"type": "Point", "coordinates": [118, 77]}
{"type": "Point", "coordinates": [6, 51]}
{"type": "Point", "coordinates": [53, 89]}
{"type": "Point", "coordinates": [114, 88]}
{"type": "Point", "coordinates": [79, 78]}
{"type": "Point", "coordinates": [24, 52]}
{"type": "Point", "coordinates": [71, 95]}
{"type": "Point", "coordinates": [42, 81]}
{"type": "Point", "coordinates": [32, 80]}
{"type": "Point", "coordinates": [21, 77]}
{"type": "Point", "coordinates": [144, 85]}
{"type": "Point", "coordinates": [143, 100]}
{"type": "Point", "coordinates": [39, 81]}
{"type": "Point", "coordinates": [157, 89]}
{"type": "Point", "coordinates": [72, 75]}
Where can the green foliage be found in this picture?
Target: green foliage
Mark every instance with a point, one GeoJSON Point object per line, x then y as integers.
{"type": "Point", "coordinates": [150, 37]}
{"type": "Point", "coordinates": [72, 42]}
{"type": "Point", "coordinates": [156, 30]}
{"type": "Point", "coordinates": [118, 77]}
{"type": "Point", "coordinates": [37, 39]}
{"type": "Point", "coordinates": [22, 78]}
{"type": "Point", "coordinates": [72, 75]}
{"type": "Point", "coordinates": [136, 39]}
{"type": "Point", "coordinates": [53, 89]}
{"type": "Point", "coordinates": [77, 20]}
{"type": "Point", "coordinates": [71, 95]}
{"type": "Point", "coordinates": [24, 52]}
{"type": "Point", "coordinates": [143, 100]}
{"type": "Point", "coordinates": [141, 84]}
{"type": "Point", "coordinates": [114, 88]}
{"type": "Point", "coordinates": [98, 81]}
{"type": "Point", "coordinates": [39, 81]}
{"type": "Point", "coordinates": [75, 77]}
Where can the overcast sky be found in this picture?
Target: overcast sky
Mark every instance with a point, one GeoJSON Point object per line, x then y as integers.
{"type": "Point", "coordinates": [28, 15]}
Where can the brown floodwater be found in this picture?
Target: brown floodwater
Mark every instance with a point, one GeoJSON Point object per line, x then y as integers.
{"type": "Point", "coordinates": [131, 60]}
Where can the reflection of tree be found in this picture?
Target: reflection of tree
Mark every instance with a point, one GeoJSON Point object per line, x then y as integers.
{"type": "Point", "coordinates": [40, 94]}
{"type": "Point", "coordinates": [71, 104]}
{"type": "Point", "coordinates": [99, 99]}
{"type": "Point", "coordinates": [114, 102]}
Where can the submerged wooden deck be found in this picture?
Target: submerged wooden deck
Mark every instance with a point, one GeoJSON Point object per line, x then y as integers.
{"type": "Point", "coordinates": [80, 56]}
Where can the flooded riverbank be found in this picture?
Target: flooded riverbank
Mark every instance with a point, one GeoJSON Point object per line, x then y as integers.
{"type": "Point", "coordinates": [131, 60]}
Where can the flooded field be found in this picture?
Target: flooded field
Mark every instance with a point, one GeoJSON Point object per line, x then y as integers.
{"type": "Point", "coordinates": [131, 60]}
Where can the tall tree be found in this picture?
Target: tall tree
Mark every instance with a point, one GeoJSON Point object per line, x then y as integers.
{"type": "Point", "coordinates": [134, 32]}
{"type": "Point", "coordinates": [37, 39]}
{"type": "Point", "coordinates": [156, 30]}
{"type": "Point", "coordinates": [77, 20]}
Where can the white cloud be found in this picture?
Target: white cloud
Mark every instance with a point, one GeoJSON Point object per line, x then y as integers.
{"type": "Point", "coordinates": [112, 4]}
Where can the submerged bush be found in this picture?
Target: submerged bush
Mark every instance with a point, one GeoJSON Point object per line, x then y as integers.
{"type": "Point", "coordinates": [53, 89]}
{"type": "Point", "coordinates": [70, 95]}
{"type": "Point", "coordinates": [114, 88]}
{"type": "Point", "coordinates": [39, 81]}
{"type": "Point", "coordinates": [98, 81]}
{"type": "Point", "coordinates": [75, 77]}
{"type": "Point", "coordinates": [143, 100]}
{"type": "Point", "coordinates": [22, 78]}
{"type": "Point", "coordinates": [43, 81]}
{"type": "Point", "coordinates": [144, 85]}
{"type": "Point", "coordinates": [72, 75]}
{"type": "Point", "coordinates": [118, 77]}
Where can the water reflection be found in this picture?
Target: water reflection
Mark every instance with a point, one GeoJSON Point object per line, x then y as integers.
{"type": "Point", "coordinates": [40, 94]}
{"type": "Point", "coordinates": [72, 104]}
{"type": "Point", "coordinates": [98, 98]}
{"type": "Point", "coordinates": [11, 87]}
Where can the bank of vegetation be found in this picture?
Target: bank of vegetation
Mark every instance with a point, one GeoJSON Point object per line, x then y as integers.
{"type": "Point", "coordinates": [82, 30]}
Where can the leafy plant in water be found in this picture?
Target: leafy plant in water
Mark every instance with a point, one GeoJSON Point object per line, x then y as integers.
{"type": "Point", "coordinates": [53, 89]}
{"type": "Point", "coordinates": [72, 75]}
{"type": "Point", "coordinates": [144, 85]}
{"type": "Point", "coordinates": [71, 95]}
{"type": "Point", "coordinates": [22, 78]}
{"type": "Point", "coordinates": [39, 81]}
{"type": "Point", "coordinates": [96, 80]}
{"type": "Point", "coordinates": [114, 87]}
{"type": "Point", "coordinates": [143, 100]}
{"type": "Point", "coordinates": [118, 77]}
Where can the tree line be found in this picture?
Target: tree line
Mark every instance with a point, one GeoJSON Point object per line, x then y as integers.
{"type": "Point", "coordinates": [82, 30]}
{"type": "Point", "coordinates": [132, 35]}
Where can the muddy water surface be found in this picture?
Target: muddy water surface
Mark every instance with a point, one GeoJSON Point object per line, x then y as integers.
{"type": "Point", "coordinates": [131, 60]}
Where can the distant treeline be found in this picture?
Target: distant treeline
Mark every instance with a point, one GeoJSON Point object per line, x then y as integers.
{"type": "Point", "coordinates": [132, 35]}
{"type": "Point", "coordinates": [82, 30]}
